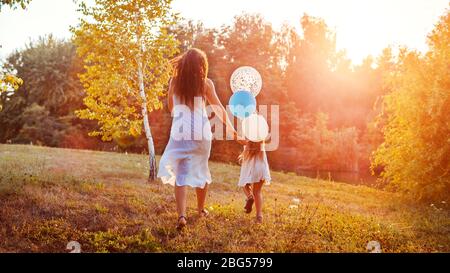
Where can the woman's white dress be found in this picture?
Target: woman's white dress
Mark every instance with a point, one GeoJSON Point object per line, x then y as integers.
{"type": "Point", "coordinates": [254, 170]}
{"type": "Point", "coordinates": [185, 159]}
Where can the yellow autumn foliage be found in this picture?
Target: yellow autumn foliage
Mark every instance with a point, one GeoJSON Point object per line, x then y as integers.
{"type": "Point", "coordinates": [107, 40]}
{"type": "Point", "coordinates": [415, 154]}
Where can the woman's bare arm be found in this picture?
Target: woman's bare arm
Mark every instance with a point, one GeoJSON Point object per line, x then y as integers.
{"type": "Point", "coordinates": [219, 110]}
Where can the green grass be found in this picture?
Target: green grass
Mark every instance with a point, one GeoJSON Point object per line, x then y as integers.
{"type": "Point", "coordinates": [50, 196]}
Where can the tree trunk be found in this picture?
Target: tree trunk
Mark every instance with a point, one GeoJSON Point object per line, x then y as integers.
{"type": "Point", "coordinates": [148, 132]}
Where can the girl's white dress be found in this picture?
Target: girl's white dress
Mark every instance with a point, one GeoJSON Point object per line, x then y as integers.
{"type": "Point", "coordinates": [254, 170]}
{"type": "Point", "coordinates": [185, 159]}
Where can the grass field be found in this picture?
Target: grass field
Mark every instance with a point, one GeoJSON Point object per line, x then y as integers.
{"type": "Point", "coordinates": [50, 196]}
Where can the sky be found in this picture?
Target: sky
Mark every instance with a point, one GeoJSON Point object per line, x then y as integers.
{"type": "Point", "coordinates": [363, 27]}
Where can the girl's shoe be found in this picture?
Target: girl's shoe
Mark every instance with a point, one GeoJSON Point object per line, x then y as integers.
{"type": "Point", "coordinates": [249, 205]}
{"type": "Point", "coordinates": [182, 221]}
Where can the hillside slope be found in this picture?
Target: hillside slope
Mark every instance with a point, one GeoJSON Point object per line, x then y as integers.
{"type": "Point", "coordinates": [51, 196]}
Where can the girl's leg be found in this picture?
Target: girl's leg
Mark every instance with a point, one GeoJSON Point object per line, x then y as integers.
{"type": "Point", "coordinates": [248, 191]}
{"type": "Point", "coordinates": [180, 197]}
{"type": "Point", "coordinates": [201, 197]}
{"type": "Point", "coordinates": [249, 202]}
{"type": "Point", "coordinates": [258, 199]}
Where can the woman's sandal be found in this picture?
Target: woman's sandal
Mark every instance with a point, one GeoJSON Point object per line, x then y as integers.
{"type": "Point", "coordinates": [259, 219]}
{"type": "Point", "coordinates": [181, 224]}
{"type": "Point", "coordinates": [249, 205]}
{"type": "Point", "coordinates": [204, 213]}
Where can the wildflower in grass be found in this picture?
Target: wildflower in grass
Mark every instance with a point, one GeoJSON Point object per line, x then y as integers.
{"type": "Point", "coordinates": [296, 200]}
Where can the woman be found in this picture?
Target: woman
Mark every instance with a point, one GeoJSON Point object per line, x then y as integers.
{"type": "Point", "coordinates": [185, 159]}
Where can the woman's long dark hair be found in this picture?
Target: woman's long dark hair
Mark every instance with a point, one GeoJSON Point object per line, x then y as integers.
{"type": "Point", "coordinates": [190, 72]}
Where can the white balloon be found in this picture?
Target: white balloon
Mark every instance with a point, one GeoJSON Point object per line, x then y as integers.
{"type": "Point", "coordinates": [246, 78]}
{"type": "Point", "coordinates": [255, 128]}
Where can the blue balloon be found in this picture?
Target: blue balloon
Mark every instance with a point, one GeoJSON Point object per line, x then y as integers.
{"type": "Point", "coordinates": [242, 104]}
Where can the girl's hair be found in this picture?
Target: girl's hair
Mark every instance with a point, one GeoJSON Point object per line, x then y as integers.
{"type": "Point", "coordinates": [190, 72]}
{"type": "Point", "coordinates": [251, 150]}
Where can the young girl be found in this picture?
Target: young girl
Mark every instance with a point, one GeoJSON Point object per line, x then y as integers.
{"type": "Point", "coordinates": [254, 173]}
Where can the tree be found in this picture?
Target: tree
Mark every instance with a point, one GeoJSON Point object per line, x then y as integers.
{"type": "Point", "coordinates": [8, 84]}
{"type": "Point", "coordinates": [49, 95]}
{"type": "Point", "coordinates": [126, 48]}
{"type": "Point", "coordinates": [415, 154]}
{"type": "Point", "coordinates": [186, 32]}
{"type": "Point", "coordinates": [39, 127]}
{"type": "Point", "coordinates": [311, 60]}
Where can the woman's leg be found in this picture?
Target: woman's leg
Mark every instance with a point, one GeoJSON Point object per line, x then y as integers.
{"type": "Point", "coordinates": [257, 195]}
{"type": "Point", "coordinates": [180, 197]}
{"type": "Point", "coordinates": [201, 197]}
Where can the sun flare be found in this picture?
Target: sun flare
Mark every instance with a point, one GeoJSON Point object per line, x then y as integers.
{"type": "Point", "coordinates": [362, 27]}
